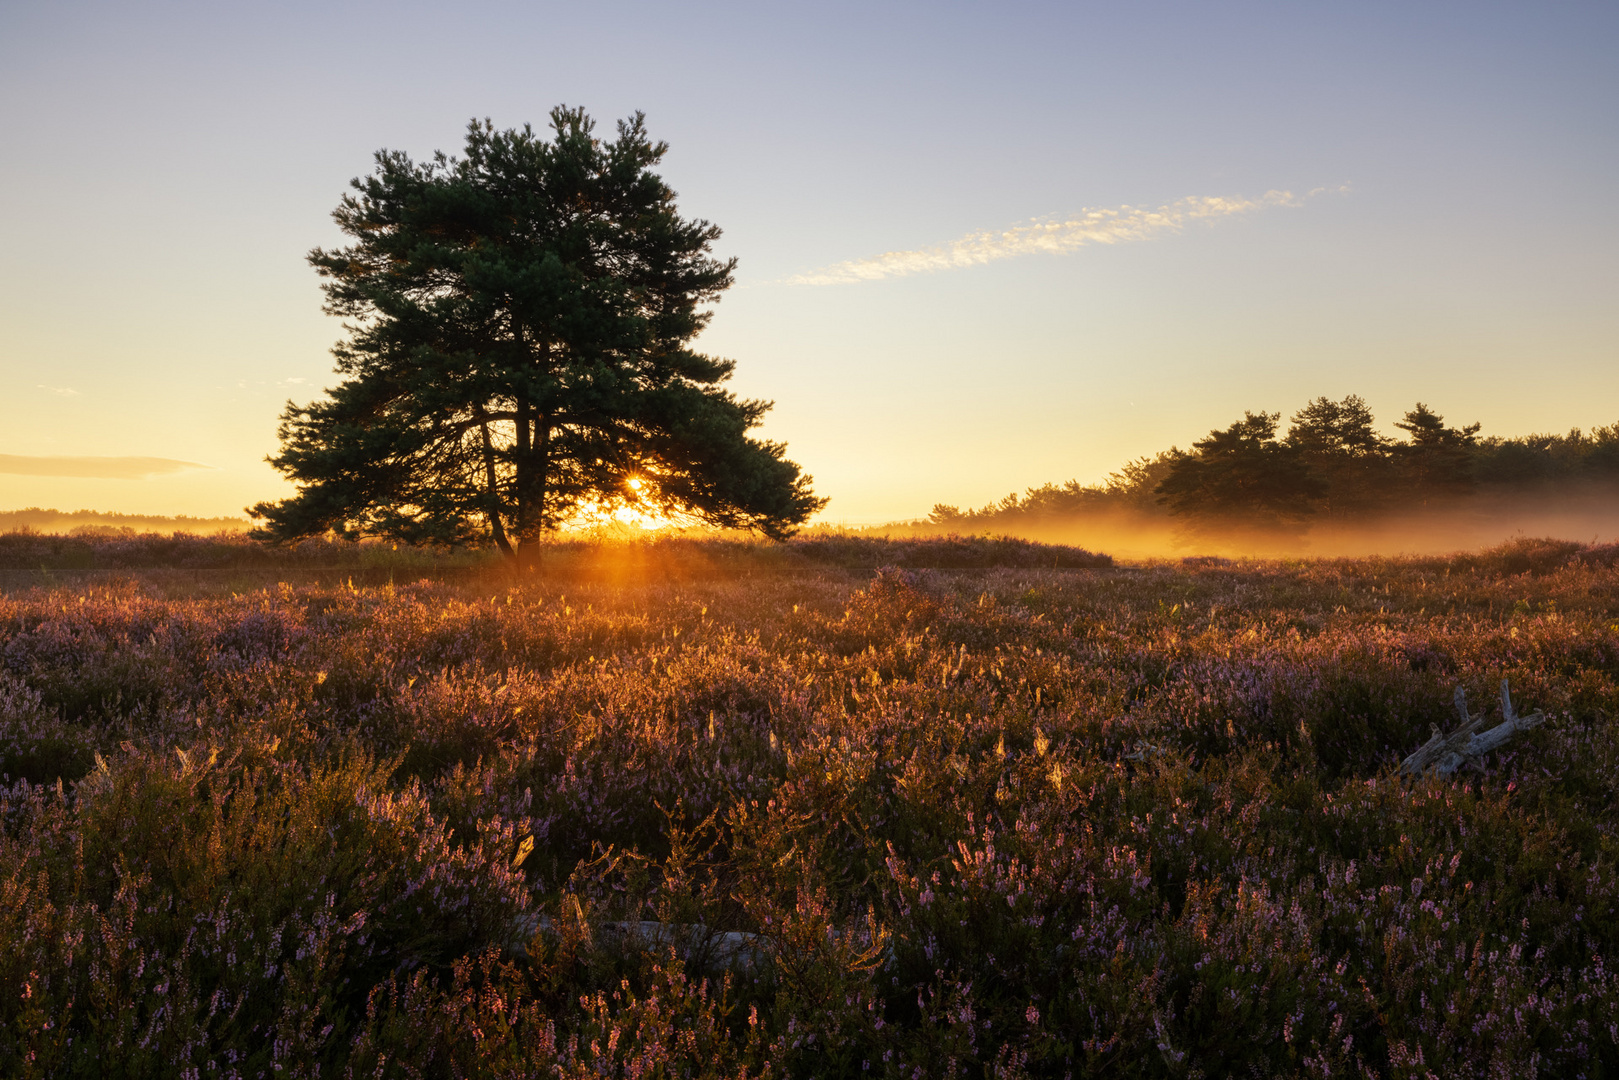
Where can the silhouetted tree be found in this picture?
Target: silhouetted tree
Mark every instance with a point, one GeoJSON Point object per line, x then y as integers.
{"type": "Point", "coordinates": [519, 349]}
{"type": "Point", "coordinates": [1242, 475]}
{"type": "Point", "coordinates": [1547, 461]}
{"type": "Point", "coordinates": [1437, 462]}
{"type": "Point", "coordinates": [1131, 487]}
{"type": "Point", "coordinates": [1332, 462]}
{"type": "Point", "coordinates": [1335, 440]}
{"type": "Point", "coordinates": [1135, 483]}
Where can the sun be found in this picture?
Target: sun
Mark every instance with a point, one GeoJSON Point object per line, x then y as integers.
{"type": "Point", "coordinates": [623, 512]}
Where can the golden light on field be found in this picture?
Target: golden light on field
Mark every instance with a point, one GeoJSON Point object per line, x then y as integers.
{"type": "Point", "coordinates": [629, 515]}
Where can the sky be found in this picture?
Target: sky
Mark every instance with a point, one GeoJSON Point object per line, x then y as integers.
{"type": "Point", "coordinates": [981, 247]}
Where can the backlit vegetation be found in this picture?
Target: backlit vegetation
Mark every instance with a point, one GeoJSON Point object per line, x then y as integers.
{"type": "Point", "coordinates": [1015, 820]}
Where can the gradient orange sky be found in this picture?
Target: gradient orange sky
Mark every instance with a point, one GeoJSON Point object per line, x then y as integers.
{"type": "Point", "coordinates": [982, 247]}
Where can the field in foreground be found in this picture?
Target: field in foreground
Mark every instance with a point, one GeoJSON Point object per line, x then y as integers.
{"type": "Point", "coordinates": [805, 820]}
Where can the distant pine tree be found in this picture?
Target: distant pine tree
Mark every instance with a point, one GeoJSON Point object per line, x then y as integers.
{"type": "Point", "coordinates": [1333, 463]}
{"type": "Point", "coordinates": [1337, 443]}
{"type": "Point", "coordinates": [1437, 462]}
{"type": "Point", "coordinates": [1243, 475]}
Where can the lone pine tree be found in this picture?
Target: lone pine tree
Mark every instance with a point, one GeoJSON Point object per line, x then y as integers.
{"type": "Point", "coordinates": [518, 347]}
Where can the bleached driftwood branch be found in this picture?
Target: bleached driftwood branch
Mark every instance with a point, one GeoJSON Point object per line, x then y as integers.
{"type": "Point", "coordinates": [732, 949]}
{"type": "Point", "coordinates": [1444, 754]}
{"type": "Point", "coordinates": [1143, 751]}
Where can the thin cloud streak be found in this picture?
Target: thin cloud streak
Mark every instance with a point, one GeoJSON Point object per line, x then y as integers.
{"type": "Point", "coordinates": [94, 468]}
{"type": "Point", "coordinates": [1117, 225]}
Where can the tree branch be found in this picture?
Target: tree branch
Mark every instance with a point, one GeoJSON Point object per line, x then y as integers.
{"type": "Point", "coordinates": [1444, 754]}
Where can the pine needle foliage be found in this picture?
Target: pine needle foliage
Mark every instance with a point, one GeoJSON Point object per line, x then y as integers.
{"type": "Point", "coordinates": [519, 329]}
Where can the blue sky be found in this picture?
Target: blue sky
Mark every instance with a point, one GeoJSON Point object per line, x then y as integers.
{"type": "Point", "coordinates": [165, 167]}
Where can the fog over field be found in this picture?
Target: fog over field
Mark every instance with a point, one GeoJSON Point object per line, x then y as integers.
{"type": "Point", "coordinates": [1591, 517]}
{"type": "Point", "coordinates": [38, 519]}
{"type": "Point", "coordinates": [1484, 522]}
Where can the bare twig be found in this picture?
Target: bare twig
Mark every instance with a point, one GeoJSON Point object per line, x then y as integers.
{"type": "Point", "coordinates": [1444, 754]}
{"type": "Point", "coordinates": [720, 949]}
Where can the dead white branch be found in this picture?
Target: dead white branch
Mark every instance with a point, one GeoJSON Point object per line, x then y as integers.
{"type": "Point", "coordinates": [723, 949]}
{"type": "Point", "coordinates": [1143, 751]}
{"type": "Point", "coordinates": [1444, 754]}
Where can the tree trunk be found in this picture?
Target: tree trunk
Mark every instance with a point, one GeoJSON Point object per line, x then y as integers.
{"type": "Point", "coordinates": [525, 469]}
{"type": "Point", "coordinates": [521, 450]}
{"type": "Point", "coordinates": [535, 493]}
{"type": "Point", "coordinates": [497, 527]}
{"type": "Point", "coordinates": [533, 465]}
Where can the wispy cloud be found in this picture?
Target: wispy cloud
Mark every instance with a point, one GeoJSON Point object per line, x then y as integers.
{"type": "Point", "coordinates": [63, 391]}
{"type": "Point", "coordinates": [1054, 236]}
{"type": "Point", "coordinates": [99, 468]}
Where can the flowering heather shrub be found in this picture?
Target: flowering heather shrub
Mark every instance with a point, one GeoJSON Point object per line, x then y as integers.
{"type": "Point", "coordinates": [184, 551]}
{"type": "Point", "coordinates": [660, 552]}
{"type": "Point", "coordinates": [1002, 822]}
{"type": "Point", "coordinates": [943, 552]}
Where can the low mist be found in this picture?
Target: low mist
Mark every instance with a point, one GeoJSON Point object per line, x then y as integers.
{"type": "Point", "coordinates": [1479, 522]}
{"type": "Point", "coordinates": [37, 519]}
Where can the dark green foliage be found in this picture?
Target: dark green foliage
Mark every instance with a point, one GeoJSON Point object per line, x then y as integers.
{"type": "Point", "coordinates": [520, 322]}
{"type": "Point", "coordinates": [1438, 460]}
{"type": "Point", "coordinates": [1243, 474]}
{"type": "Point", "coordinates": [1336, 442]}
{"type": "Point", "coordinates": [1332, 465]}
{"type": "Point", "coordinates": [36, 744]}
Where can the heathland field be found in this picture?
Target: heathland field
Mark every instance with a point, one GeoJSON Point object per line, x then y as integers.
{"type": "Point", "coordinates": [725, 809]}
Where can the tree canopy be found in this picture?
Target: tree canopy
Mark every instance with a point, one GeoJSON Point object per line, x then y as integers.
{"type": "Point", "coordinates": [1339, 445]}
{"type": "Point", "coordinates": [1243, 472]}
{"type": "Point", "coordinates": [1438, 460]}
{"type": "Point", "coordinates": [1332, 464]}
{"type": "Point", "coordinates": [518, 349]}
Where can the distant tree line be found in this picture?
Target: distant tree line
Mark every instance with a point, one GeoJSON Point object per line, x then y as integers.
{"type": "Point", "coordinates": [41, 520]}
{"type": "Point", "coordinates": [1332, 464]}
